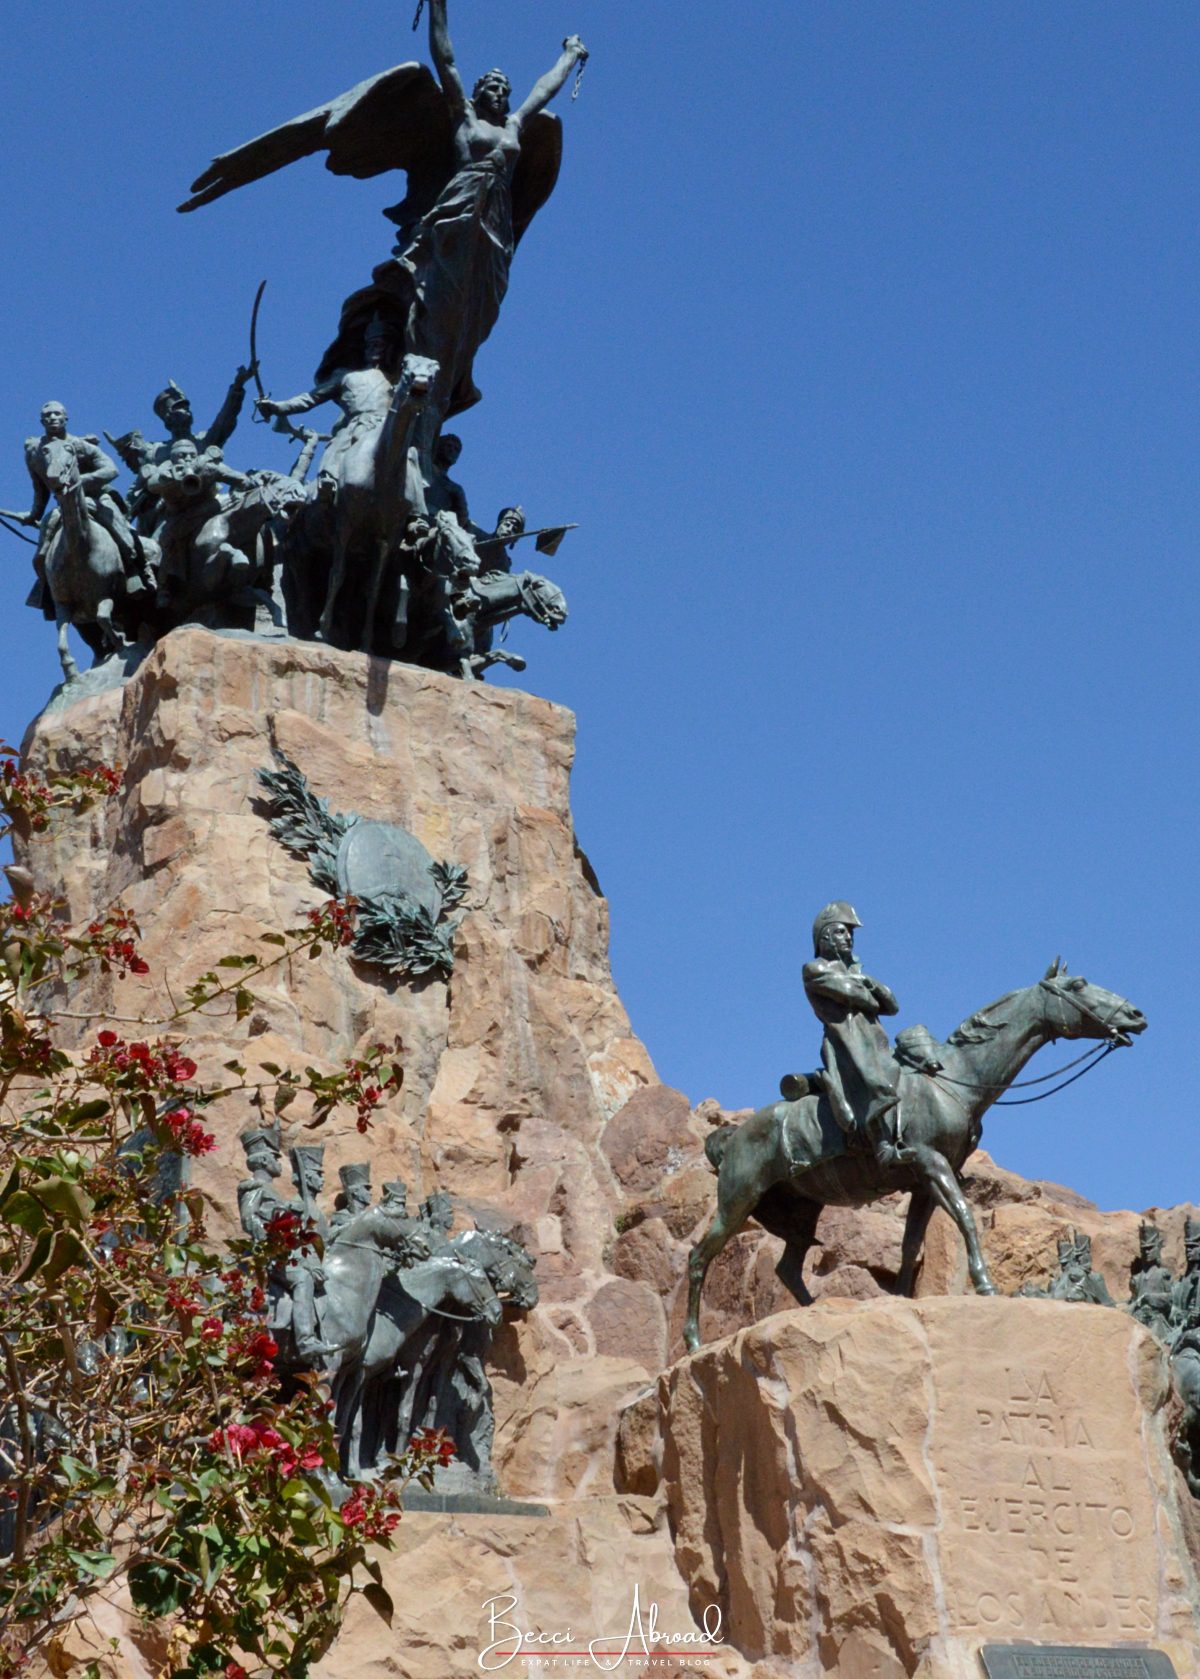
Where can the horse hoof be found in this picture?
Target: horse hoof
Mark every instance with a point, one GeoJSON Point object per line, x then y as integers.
{"type": "Point", "coordinates": [989, 1288]}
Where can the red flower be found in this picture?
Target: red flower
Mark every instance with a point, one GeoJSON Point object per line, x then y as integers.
{"type": "Point", "coordinates": [107, 1039]}
{"type": "Point", "coordinates": [235, 1670]}
{"type": "Point", "coordinates": [434, 1443]}
{"type": "Point", "coordinates": [189, 1135]}
{"type": "Point", "coordinates": [354, 1511]}
{"type": "Point", "coordinates": [212, 1329]}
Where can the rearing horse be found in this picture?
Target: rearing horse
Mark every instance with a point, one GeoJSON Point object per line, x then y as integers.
{"type": "Point", "coordinates": [761, 1164]}
{"type": "Point", "coordinates": [369, 484]}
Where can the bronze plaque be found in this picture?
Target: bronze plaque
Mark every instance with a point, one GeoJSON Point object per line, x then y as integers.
{"type": "Point", "coordinates": [1072, 1661]}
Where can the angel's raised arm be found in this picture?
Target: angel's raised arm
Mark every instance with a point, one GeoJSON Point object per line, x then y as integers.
{"type": "Point", "coordinates": [442, 52]}
{"type": "Point", "coordinates": [552, 83]}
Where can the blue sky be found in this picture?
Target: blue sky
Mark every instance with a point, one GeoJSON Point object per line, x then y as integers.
{"type": "Point", "coordinates": [860, 336]}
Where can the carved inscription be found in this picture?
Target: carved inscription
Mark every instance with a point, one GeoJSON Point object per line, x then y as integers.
{"type": "Point", "coordinates": [1040, 1505]}
{"type": "Point", "coordinates": [1006, 1661]}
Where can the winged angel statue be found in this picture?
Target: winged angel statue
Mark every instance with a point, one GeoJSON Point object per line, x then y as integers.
{"type": "Point", "coordinates": [478, 173]}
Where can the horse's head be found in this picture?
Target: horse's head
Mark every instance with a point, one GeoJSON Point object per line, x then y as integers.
{"type": "Point", "coordinates": [59, 466]}
{"type": "Point", "coordinates": [505, 1263]}
{"type": "Point", "coordinates": [417, 377]}
{"type": "Point", "coordinates": [1078, 1009]}
{"type": "Point", "coordinates": [473, 1291]}
{"type": "Point", "coordinates": [542, 600]}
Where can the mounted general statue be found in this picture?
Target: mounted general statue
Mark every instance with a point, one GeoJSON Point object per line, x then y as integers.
{"type": "Point", "coordinates": [876, 1120]}
{"type": "Point", "coordinates": [89, 562]}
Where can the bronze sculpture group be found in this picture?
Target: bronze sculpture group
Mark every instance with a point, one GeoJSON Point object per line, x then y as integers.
{"type": "Point", "coordinates": [366, 542]}
{"type": "Point", "coordinates": [376, 552]}
{"type": "Point", "coordinates": [394, 1311]}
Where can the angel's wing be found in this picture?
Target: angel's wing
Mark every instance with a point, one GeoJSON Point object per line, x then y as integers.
{"type": "Point", "coordinates": [537, 168]}
{"type": "Point", "coordinates": [396, 120]}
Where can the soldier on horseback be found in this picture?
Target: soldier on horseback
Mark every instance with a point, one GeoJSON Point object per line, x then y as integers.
{"type": "Point", "coordinates": [97, 471]}
{"type": "Point", "coordinates": [860, 1076]}
{"type": "Point", "coordinates": [172, 407]}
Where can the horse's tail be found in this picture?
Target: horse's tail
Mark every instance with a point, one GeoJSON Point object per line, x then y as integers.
{"type": "Point", "coordinates": [716, 1143]}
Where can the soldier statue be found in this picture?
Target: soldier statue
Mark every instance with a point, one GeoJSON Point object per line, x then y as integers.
{"type": "Point", "coordinates": [1151, 1284]}
{"type": "Point", "coordinates": [1185, 1299]}
{"type": "Point", "coordinates": [175, 411]}
{"type": "Point", "coordinates": [1077, 1281]}
{"type": "Point", "coordinates": [437, 1213]}
{"type": "Point", "coordinates": [355, 1195]}
{"type": "Point", "coordinates": [308, 1175]}
{"type": "Point", "coordinates": [97, 470]}
{"type": "Point", "coordinates": [860, 1075]}
{"type": "Point", "coordinates": [296, 1278]}
{"type": "Point", "coordinates": [444, 494]}
{"type": "Point", "coordinates": [185, 488]}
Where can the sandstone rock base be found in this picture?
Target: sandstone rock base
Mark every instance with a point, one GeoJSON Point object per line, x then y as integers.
{"type": "Point", "coordinates": [513, 1067]}
{"type": "Point", "coordinates": [877, 1490]}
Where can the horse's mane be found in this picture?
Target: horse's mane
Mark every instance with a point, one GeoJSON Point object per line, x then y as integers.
{"type": "Point", "coordinates": [977, 1028]}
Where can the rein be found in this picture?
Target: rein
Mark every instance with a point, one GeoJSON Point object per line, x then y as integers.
{"type": "Point", "coordinates": [1024, 1101]}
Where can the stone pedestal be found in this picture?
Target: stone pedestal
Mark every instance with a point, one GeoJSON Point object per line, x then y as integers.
{"type": "Point", "coordinates": [513, 1067]}
{"type": "Point", "coordinates": [878, 1490]}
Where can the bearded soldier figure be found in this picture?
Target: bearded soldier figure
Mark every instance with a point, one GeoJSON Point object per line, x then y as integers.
{"type": "Point", "coordinates": [860, 1076]}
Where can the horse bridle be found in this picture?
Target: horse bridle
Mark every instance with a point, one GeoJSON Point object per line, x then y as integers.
{"type": "Point", "coordinates": [1116, 1038]}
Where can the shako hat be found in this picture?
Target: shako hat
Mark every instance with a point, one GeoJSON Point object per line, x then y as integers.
{"type": "Point", "coordinates": [263, 1134]}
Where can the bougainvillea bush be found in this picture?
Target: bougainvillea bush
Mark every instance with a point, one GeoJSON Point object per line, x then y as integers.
{"type": "Point", "coordinates": [146, 1440]}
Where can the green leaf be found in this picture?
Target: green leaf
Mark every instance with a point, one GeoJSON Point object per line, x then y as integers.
{"type": "Point", "coordinates": [99, 1109]}
{"type": "Point", "coordinates": [99, 1564]}
{"type": "Point", "coordinates": [156, 1589]}
{"type": "Point", "coordinates": [244, 1002]}
{"type": "Point", "coordinates": [380, 1600]}
{"type": "Point", "coordinates": [68, 1200]}
{"type": "Point", "coordinates": [11, 1184]}
{"type": "Point", "coordinates": [274, 938]}
{"type": "Point", "coordinates": [285, 1095]}
{"type": "Point", "coordinates": [268, 1067]}
{"type": "Point", "coordinates": [27, 1214]}
{"type": "Point", "coordinates": [67, 1250]}
{"type": "Point", "coordinates": [235, 1066]}
{"type": "Point", "coordinates": [36, 1258]}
